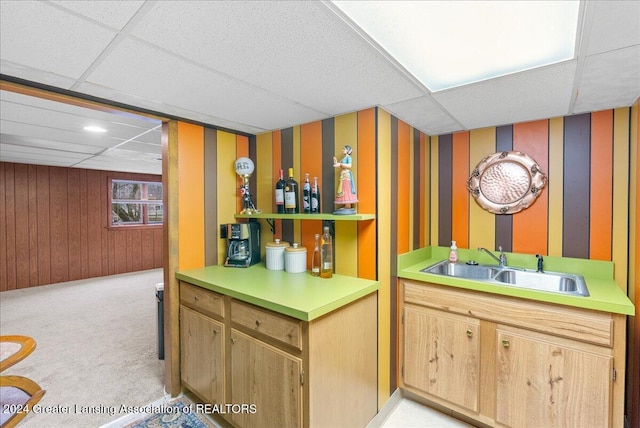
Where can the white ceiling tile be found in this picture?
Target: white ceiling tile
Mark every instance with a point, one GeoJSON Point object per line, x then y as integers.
{"type": "Point", "coordinates": [136, 147]}
{"type": "Point", "coordinates": [35, 159]}
{"type": "Point", "coordinates": [110, 163]}
{"type": "Point", "coordinates": [112, 13]}
{"type": "Point", "coordinates": [169, 80]}
{"type": "Point", "coordinates": [257, 66]}
{"type": "Point", "coordinates": [424, 114]}
{"type": "Point", "coordinates": [61, 135]}
{"type": "Point", "coordinates": [616, 24]}
{"type": "Point", "coordinates": [35, 75]}
{"type": "Point", "coordinates": [28, 140]}
{"type": "Point", "coordinates": [37, 35]}
{"type": "Point", "coordinates": [535, 94]}
{"type": "Point", "coordinates": [599, 90]}
{"type": "Point", "coordinates": [11, 149]}
{"type": "Point", "coordinates": [315, 59]}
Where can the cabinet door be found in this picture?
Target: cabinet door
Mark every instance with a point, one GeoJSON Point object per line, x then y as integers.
{"type": "Point", "coordinates": [548, 382]}
{"type": "Point", "coordinates": [441, 355]}
{"type": "Point", "coordinates": [268, 378]}
{"type": "Point", "coordinates": [202, 355]}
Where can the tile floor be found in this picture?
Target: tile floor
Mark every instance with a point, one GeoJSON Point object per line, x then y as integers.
{"type": "Point", "coordinates": [409, 414]}
{"type": "Point", "coordinates": [406, 414]}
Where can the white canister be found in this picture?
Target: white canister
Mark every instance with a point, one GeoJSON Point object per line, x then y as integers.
{"type": "Point", "coordinates": [275, 254]}
{"type": "Point", "coordinates": [295, 259]}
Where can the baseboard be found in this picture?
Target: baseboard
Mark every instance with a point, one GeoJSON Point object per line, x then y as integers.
{"type": "Point", "coordinates": [386, 409]}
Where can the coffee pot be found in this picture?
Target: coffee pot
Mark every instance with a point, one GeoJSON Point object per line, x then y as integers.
{"type": "Point", "coordinates": [243, 244]}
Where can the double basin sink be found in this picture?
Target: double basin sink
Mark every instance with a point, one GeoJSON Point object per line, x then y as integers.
{"type": "Point", "coordinates": [562, 283]}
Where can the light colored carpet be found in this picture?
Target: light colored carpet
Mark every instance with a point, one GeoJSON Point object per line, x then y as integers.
{"type": "Point", "coordinates": [96, 347]}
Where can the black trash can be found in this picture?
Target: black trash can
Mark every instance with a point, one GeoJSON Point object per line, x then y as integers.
{"type": "Point", "coordinates": [160, 299]}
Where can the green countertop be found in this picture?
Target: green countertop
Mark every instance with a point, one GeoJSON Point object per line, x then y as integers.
{"type": "Point", "coordinates": [299, 295]}
{"type": "Point", "coordinates": [605, 294]}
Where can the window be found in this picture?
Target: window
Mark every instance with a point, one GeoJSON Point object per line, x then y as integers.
{"type": "Point", "coordinates": [136, 203]}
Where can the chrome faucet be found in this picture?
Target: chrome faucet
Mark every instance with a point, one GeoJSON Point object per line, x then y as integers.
{"type": "Point", "coordinates": [540, 261]}
{"type": "Point", "coordinates": [502, 260]}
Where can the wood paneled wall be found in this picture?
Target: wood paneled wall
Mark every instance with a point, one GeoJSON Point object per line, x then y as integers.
{"type": "Point", "coordinates": [53, 227]}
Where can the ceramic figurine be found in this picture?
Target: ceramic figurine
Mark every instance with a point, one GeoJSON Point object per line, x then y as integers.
{"type": "Point", "coordinates": [346, 191]}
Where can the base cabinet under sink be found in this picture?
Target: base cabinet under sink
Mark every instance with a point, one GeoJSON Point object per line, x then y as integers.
{"type": "Point", "coordinates": [442, 355]}
{"type": "Point", "coordinates": [509, 362]}
{"type": "Point", "coordinates": [551, 383]}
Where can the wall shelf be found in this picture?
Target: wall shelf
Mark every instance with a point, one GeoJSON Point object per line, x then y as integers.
{"type": "Point", "coordinates": [270, 217]}
{"type": "Point", "coordinates": [321, 216]}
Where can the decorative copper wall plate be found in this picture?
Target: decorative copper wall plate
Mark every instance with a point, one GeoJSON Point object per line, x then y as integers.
{"type": "Point", "coordinates": [506, 182]}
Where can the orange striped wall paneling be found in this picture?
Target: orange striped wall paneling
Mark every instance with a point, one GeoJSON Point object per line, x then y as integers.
{"type": "Point", "coordinates": [586, 159]}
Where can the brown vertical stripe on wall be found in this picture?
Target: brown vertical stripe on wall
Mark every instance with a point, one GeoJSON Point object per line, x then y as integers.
{"type": "Point", "coordinates": [211, 233]}
{"type": "Point", "coordinates": [327, 187]}
{"type": "Point", "coordinates": [577, 153]}
{"type": "Point", "coordinates": [504, 222]}
{"type": "Point", "coordinates": [445, 186]}
{"type": "Point", "coordinates": [286, 147]}
{"type": "Point", "coordinates": [417, 189]}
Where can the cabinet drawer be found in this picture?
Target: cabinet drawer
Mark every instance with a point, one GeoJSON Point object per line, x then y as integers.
{"type": "Point", "coordinates": [202, 300]}
{"type": "Point", "coordinates": [574, 323]}
{"type": "Point", "coordinates": [279, 327]}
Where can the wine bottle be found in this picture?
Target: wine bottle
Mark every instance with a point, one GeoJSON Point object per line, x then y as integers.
{"type": "Point", "coordinates": [291, 195]}
{"type": "Point", "coordinates": [315, 259]}
{"type": "Point", "coordinates": [306, 195]}
{"type": "Point", "coordinates": [326, 254]}
{"type": "Point", "coordinates": [315, 196]}
{"type": "Point", "coordinates": [280, 184]}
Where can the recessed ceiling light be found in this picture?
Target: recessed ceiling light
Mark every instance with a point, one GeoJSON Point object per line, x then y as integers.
{"type": "Point", "coordinates": [94, 129]}
{"type": "Point", "coordinates": [452, 43]}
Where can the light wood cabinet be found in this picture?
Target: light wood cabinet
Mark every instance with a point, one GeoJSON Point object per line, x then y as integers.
{"type": "Point", "coordinates": [551, 382]}
{"type": "Point", "coordinates": [442, 354]}
{"type": "Point", "coordinates": [202, 355]}
{"type": "Point", "coordinates": [268, 377]}
{"type": "Point", "coordinates": [523, 364]}
{"type": "Point", "coordinates": [287, 372]}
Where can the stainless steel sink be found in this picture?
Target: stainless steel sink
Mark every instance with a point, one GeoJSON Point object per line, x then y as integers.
{"type": "Point", "coordinates": [547, 281]}
{"type": "Point", "coordinates": [461, 270]}
{"type": "Point", "coordinates": [542, 281]}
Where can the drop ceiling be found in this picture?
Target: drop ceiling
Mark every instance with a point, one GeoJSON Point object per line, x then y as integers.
{"type": "Point", "coordinates": [258, 66]}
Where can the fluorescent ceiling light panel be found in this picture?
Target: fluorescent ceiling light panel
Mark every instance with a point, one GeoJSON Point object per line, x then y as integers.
{"type": "Point", "coordinates": [451, 43]}
{"type": "Point", "coordinates": [93, 128]}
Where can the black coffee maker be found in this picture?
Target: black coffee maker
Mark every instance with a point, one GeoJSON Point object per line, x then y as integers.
{"type": "Point", "coordinates": [243, 244]}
